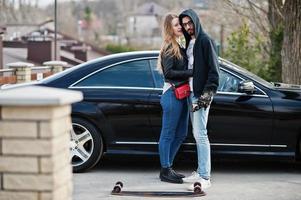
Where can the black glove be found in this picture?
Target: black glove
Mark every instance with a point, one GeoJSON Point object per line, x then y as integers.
{"type": "Point", "coordinates": [203, 101]}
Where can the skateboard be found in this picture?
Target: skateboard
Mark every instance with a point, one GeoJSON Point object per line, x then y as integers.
{"type": "Point", "coordinates": [197, 192]}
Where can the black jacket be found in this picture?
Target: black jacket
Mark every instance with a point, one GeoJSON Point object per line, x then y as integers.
{"type": "Point", "coordinates": [205, 66]}
{"type": "Point", "coordinates": [175, 70]}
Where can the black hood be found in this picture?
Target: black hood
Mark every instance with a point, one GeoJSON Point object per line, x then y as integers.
{"type": "Point", "coordinates": [195, 19]}
{"type": "Point", "coordinates": [287, 86]}
{"type": "Point", "coordinates": [283, 87]}
{"type": "Point", "coordinates": [205, 63]}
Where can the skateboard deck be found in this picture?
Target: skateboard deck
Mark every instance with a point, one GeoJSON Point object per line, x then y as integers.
{"type": "Point", "coordinates": [117, 190]}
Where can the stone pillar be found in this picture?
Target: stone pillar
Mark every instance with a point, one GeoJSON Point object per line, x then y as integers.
{"type": "Point", "coordinates": [35, 128]}
{"type": "Point", "coordinates": [56, 66]}
{"type": "Point", "coordinates": [23, 71]}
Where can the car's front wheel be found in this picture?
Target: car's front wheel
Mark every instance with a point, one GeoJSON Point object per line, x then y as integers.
{"type": "Point", "coordinates": [86, 145]}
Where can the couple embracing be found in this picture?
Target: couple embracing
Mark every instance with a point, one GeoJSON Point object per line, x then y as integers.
{"type": "Point", "coordinates": [187, 57]}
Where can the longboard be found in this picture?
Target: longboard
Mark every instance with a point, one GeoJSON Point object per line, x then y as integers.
{"type": "Point", "coordinates": [197, 192]}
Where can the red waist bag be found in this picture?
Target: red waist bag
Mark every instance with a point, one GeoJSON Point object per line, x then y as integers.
{"type": "Point", "coordinates": [182, 91]}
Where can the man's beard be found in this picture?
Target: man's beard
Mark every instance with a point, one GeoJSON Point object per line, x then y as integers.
{"type": "Point", "coordinates": [190, 32]}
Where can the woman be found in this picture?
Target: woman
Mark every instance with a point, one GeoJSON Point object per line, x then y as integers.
{"type": "Point", "coordinates": [173, 63]}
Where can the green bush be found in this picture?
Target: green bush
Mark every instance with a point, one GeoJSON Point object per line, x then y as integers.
{"type": "Point", "coordinates": [248, 52]}
{"type": "Point", "coordinates": [115, 48]}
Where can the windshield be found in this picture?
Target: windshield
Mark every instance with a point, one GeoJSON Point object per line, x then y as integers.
{"type": "Point", "coordinates": [249, 74]}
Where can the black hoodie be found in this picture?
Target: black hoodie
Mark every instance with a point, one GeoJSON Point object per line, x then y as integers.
{"type": "Point", "coordinates": [205, 66]}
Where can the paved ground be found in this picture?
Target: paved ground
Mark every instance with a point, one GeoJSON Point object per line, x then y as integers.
{"type": "Point", "coordinates": [247, 180]}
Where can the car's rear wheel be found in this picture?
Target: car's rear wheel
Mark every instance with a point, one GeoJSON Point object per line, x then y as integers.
{"type": "Point", "coordinates": [86, 145]}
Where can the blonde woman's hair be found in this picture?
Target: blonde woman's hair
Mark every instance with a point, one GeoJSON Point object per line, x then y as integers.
{"type": "Point", "coordinates": [169, 46]}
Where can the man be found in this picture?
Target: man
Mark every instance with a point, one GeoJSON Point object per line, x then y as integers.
{"type": "Point", "coordinates": [204, 62]}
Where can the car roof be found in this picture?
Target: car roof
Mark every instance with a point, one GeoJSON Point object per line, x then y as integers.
{"type": "Point", "coordinates": [141, 54]}
{"type": "Point", "coordinates": [124, 54]}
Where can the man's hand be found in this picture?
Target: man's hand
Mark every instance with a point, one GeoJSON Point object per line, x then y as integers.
{"type": "Point", "coordinates": [203, 101]}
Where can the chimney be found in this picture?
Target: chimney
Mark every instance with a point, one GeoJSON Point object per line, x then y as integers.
{"type": "Point", "coordinates": [40, 51]}
{"type": "Point", "coordinates": [80, 52]}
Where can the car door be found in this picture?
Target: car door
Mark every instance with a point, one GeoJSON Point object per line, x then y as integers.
{"type": "Point", "coordinates": [120, 92]}
{"type": "Point", "coordinates": [239, 121]}
{"type": "Point", "coordinates": [155, 111]}
{"type": "Point", "coordinates": [236, 122]}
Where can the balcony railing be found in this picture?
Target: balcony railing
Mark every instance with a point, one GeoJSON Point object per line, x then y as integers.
{"type": "Point", "coordinates": [21, 72]}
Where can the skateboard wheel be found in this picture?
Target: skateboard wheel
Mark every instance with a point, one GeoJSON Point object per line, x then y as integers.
{"type": "Point", "coordinates": [197, 189]}
{"type": "Point", "coordinates": [197, 183]}
{"type": "Point", "coordinates": [117, 189]}
{"type": "Point", "coordinates": [119, 183]}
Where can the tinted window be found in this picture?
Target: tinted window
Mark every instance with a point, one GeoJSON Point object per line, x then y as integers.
{"type": "Point", "coordinates": [130, 74]}
{"type": "Point", "coordinates": [228, 82]}
{"type": "Point", "coordinates": [157, 75]}
{"type": "Point", "coordinates": [249, 74]}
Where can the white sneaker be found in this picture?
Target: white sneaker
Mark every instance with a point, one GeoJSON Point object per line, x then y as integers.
{"type": "Point", "coordinates": [204, 184]}
{"type": "Point", "coordinates": [192, 178]}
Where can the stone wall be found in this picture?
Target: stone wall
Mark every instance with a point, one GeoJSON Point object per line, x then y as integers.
{"type": "Point", "coordinates": [35, 128]}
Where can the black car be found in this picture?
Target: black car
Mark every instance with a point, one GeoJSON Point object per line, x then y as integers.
{"type": "Point", "coordinates": [121, 112]}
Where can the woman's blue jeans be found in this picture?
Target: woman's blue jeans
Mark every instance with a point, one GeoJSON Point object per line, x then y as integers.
{"type": "Point", "coordinates": [174, 127]}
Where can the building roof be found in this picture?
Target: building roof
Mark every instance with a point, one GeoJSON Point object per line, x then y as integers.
{"type": "Point", "coordinates": [42, 31]}
{"type": "Point", "coordinates": [12, 55]}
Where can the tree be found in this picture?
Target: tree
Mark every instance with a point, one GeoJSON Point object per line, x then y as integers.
{"type": "Point", "coordinates": [275, 19]}
{"type": "Point", "coordinates": [265, 22]}
{"type": "Point", "coordinates": [291, 49]}
{"type": "Point", "coordinates": [88, 15]}
{"type": "Point", "coordinates": [247, 53]}
{"type": "Point", "coordinates": [20, 11]}
{"type": "Point", "coordinates": [284, 28]}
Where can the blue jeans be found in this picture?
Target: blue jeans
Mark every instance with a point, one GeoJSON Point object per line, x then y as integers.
{"type": "Point", "coordinates": [174, 127]}
{"type": "Point", "coordinates": [199, 128]}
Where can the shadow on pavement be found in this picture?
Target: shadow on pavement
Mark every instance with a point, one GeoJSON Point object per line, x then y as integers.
{"type": "Point", "coordinates": [138, 163]}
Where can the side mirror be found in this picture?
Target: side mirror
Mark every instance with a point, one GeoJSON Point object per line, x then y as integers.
{"type": "Point", "coordinates": [246, 86]}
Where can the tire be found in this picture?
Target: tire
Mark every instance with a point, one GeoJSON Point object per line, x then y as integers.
{"type": "Point", "coordinates": [86, 145]}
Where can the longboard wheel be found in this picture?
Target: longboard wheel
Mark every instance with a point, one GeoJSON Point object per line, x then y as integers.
{"type": "Point", "coordinates": [119, 183]}
{"type": "Point", "coordinates": [116, 189]}
{"type": "Point", "coordinates": [197, 189]}
{"type": "Point", "coordinates": [197, 183]}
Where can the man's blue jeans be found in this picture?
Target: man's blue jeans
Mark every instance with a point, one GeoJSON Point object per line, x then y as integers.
{"type": "Point", "coordinates": [174, 127]}
{"type": "Point", "coordinates": [199, 128]}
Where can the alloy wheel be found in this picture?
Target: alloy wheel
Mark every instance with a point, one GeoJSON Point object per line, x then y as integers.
{"type": "Point", "coordinates": [81, 144]}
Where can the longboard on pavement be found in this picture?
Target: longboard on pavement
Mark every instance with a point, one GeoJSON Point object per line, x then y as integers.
{"type": "Point", "coordinates": [197, 192]}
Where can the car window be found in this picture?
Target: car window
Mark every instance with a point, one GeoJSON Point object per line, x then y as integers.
{"type": "Point", "coordinates": [228, 82]}
{"type": "Point", "coordinates": [157, 75]}
{"type": "Point", "coordinates": [249, 74]}
{"type": "Point", "coordinates": [130, 74]}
